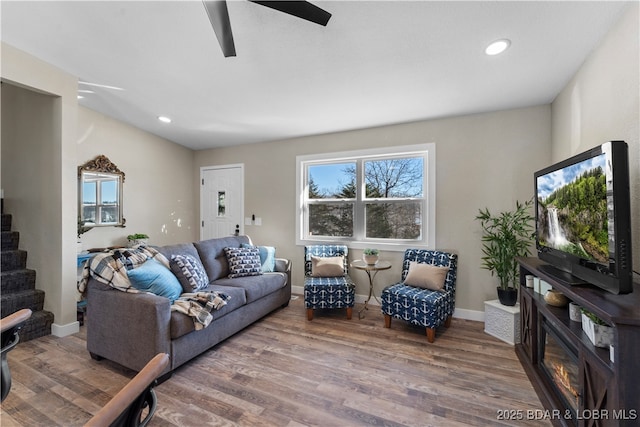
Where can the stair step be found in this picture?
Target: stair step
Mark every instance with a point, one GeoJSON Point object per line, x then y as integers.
{"type": "Point", "coordinates": [13, 260]}
{"type": "Point", "coordinates": [38, 325]}
{"type": "Point", "coordinates": [10, 240]}
{"type": "Point", "coordinates": [14, 301]}
{"type": "Point", "coordinates": [6, 222]}
{"type": "Point", "coordinates": [17, 280]}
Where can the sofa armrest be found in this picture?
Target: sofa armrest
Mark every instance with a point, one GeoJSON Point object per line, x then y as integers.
{"type": "Point", "coordinates": [127, 328]}
{"type": "Point", "coordinates": [283, 265]}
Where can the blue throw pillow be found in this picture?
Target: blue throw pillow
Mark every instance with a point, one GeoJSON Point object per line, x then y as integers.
{"type": "Point", "coordinates": [152, 276]}
{"type": "Point", "coordinates": [267, 257]}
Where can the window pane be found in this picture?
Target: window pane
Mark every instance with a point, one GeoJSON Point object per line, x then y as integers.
{"type": "Point", "coordinates": [335, 180]}
{"type": "Point", "coordinates": [109, 214]}
{"type": "Point", "coordinates": [394, 220]}
{"type": "Point", "coordinates": [109, 192]}
{"type": "Point", "coordinates": [331, 219]}
{"type": "Point", "coordinates": [394, 177]}
{"type": "Point", "coordinates": [89, 193]}
{"type": "Point", "coordinates": [89, 213]}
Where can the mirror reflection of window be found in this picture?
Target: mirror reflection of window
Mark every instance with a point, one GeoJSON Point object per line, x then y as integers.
{"type": "Point", "coordinates": [100, 198]}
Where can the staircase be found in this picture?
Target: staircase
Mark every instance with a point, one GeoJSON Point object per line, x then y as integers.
{"type": "Point", "coordinates": [18, 286]}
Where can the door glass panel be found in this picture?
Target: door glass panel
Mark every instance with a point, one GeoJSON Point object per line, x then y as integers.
{"type": "Point", "coordinates": [221, 203]}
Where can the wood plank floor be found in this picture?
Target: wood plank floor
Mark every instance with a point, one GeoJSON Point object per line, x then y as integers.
{"type": "Point", "coordinates": [286, 371]}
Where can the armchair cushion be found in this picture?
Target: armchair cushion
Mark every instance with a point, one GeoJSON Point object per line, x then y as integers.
{"type": "Point", "coordinates": [426, 276]}
{"type": "Point", "coordinates": [327, 266]}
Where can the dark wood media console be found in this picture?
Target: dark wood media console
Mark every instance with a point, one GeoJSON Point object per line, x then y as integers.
{"type": "Point", "coordinates": [608, 392]}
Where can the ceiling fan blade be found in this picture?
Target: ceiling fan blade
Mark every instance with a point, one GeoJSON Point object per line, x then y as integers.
{"type": "Point", "coordinates": [219, 17]}
{"type": "Point", "coordinates": [301, 9]}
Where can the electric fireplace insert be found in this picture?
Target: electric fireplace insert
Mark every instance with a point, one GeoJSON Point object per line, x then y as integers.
{"type": "Point", "coordinates": [559, 361]}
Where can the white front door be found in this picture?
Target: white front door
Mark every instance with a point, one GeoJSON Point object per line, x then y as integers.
{"type": "Point", "coordinates": [221, 201]}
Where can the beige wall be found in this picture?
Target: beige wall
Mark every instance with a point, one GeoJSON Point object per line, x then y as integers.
{"type": "Point", "coordinates": [38, 177]}
{"type": "Point", "coordinates": [482, 160]}
{"type": "Point", "coordinates": [601, 103]}
{"type": "Point", "coordinates": [158, 188]}
{"type": "Point", "coordinates": [45, 136]}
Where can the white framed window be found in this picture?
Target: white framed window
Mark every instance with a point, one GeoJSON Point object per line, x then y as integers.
{"type": "Point", "coordinates": [382, 197]}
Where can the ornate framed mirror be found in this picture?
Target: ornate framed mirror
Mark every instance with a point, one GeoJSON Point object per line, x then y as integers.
{"type": "Point", "coordinates": [100, 185]}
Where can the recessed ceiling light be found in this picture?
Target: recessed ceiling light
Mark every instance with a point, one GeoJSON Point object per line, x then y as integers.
{"type": "Point", "coordinates": [85, 91]}
{"type": "Point", "coordinates": [497, 47]}
{"type": "Point", "coordinates": [164, 119]}
{"type": "Point", "coordinates": [80, 96]}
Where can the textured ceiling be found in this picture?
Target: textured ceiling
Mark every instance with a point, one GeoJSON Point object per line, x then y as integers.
{"type": "Point", "coordinates": [375, 63]}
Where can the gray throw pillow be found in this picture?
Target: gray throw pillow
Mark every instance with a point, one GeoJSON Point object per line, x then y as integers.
{"type": "Point", "coordinates": [189, 272]}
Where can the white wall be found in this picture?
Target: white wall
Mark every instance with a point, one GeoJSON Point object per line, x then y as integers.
{"type": "Point", "coordinates": [159, 192]}
{"type": "Point", "coordinates": [484, 160]}
{"type": "Point", "coordinates": [602, 103]}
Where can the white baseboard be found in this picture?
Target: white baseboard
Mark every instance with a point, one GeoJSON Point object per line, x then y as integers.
{"type": "Point", "coordinates": [64, 330]}
{"type": "Point", "coordinates": [459, 313]}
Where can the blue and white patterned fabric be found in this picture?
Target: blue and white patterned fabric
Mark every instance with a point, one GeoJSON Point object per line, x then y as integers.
{"type": "Point", "coordinates": [420, 306]}
{"type": "Point", "coordinates": [327, 292]}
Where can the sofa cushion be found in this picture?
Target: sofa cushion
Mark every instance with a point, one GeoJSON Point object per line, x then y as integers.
{"type": "Point", "coordinates": [212, 254]}
{"type": "Point", "coordinates": [267, 257]}
{"type": "Point", "coordinates": [152, 276]}
{"type": "Point", "coordinates": [189, 272]}
{"type": "Point", "coordinates": [179, 249]}
{"type": "Point", "coordinates": [243, 262]}
{"type": "Point", "coordinates": [255, 287]}
{"type": "Point", "coordinates": [181, 324]}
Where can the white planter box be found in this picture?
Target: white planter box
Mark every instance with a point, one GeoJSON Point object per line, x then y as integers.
{"type": "Point", "coordinates": [502, 322]}
{"type": "Point", "coordinates": [600, 335]}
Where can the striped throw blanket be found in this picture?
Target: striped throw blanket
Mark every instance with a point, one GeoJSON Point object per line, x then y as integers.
{"type": "Point", "coordinates": [111, 269]}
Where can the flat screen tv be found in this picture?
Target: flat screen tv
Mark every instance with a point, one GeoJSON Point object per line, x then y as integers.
{"type": "Point", "coordinates": [583, 218]}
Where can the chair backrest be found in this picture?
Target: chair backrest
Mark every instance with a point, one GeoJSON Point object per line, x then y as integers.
{"type": "Point", "coordinates": [10, 327]}
{"type": "Point", "coordinates": [126, 407]}
{"type": "Point", "coordinates": [324, 251]}
{"type": "Point", "coordinates": [437, 258]}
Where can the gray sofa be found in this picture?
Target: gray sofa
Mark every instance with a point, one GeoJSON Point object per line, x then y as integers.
{"type": "Point", "coordinates": [131, 328]}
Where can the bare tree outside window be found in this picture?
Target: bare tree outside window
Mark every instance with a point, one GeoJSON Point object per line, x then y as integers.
{"type": "Point", "coordinates": [390, 196]}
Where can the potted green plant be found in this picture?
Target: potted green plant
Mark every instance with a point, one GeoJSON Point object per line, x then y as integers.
{"type": "Point", "coordinates": [600, 334]}
{"type": "Point", "coordinates": [137, 239]}
{"type": "Point", "coordinates": [506, 236]}
{"type": "Point", "coordinates": [370, 256]}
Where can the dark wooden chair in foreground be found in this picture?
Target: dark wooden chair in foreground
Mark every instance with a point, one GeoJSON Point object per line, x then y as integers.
{"type": "Point", "coordinates": [136, 403]}
{"type": "Point", "coordinates": [10, 327]}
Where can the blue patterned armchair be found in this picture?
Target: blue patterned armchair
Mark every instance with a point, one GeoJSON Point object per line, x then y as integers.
{"type": "Point", "coordinates": [419, 306]}
{"type": "Point", "coordinates": [327, 291]}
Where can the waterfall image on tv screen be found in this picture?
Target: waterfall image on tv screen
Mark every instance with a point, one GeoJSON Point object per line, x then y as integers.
{"type": "Point", "coordinates": [572, 210]}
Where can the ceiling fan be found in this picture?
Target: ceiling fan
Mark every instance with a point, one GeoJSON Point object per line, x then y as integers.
{"type": "Point", "coordinates": [219, 17]}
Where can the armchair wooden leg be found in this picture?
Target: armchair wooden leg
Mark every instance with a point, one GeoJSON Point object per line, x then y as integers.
{"type": "Point", "coordinates": [431, 334]}
{"type": "Point", "coordinates": [349, 312]}
{"type": "Point", "coordinates": [309, 314]}
{"type": "Point", "coordinates": [387, 321]}
{"type": "Point", "coordinates": [447, 322]}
